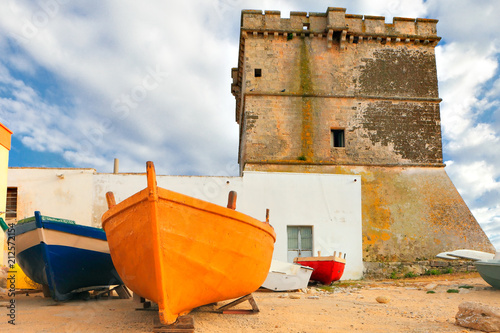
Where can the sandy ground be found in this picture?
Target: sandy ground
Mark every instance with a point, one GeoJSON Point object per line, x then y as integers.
{"type": "Point", "coordinates": [349, 306]}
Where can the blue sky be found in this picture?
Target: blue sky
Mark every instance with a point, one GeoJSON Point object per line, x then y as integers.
{"type": "Point", "coordinates": [84, 82]}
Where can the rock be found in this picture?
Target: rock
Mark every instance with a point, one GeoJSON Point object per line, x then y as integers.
{"type": "Point", "coordinates": [285, 295]}
{"type": "Point", "coordinates": [478, 316]}
{"type": "Point", "coordinates": [430, 286]}
{"type": "Point", "coordinates": [312, 297]}
{"type": "Point", "coordinates": [382, 299]}
{"type": "Point", "coordinates": [293, 296]}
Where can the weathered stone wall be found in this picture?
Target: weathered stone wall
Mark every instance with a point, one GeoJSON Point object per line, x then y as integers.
{"type": "Point", "coordinates": [397, 270]}
{"type": "Point", "coordinates": [408, 212]}
{"type": "Point", "coordinates": [291, 128]}
{"type": "Point", "coordinates": [384, 95]}
{"type": "Point", "coordinates": [299, 78]}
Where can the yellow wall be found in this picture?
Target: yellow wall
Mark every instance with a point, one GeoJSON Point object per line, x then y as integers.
{"type": "Point", "coordinates": [5, 135]}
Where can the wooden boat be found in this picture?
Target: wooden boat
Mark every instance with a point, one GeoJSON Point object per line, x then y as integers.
{"type": "Point", "coordinates": [465, 254]}
{"type": "Point", "coordinates": [286, 276]}
{"type": "Point", "coordinates": [326, 269]}
{"type": "Point", "coordinates": [489, 271]}
{"type": "Point", "coordinates": [64, 256]}
{"type": "Point", "coordinates": [181, 252]}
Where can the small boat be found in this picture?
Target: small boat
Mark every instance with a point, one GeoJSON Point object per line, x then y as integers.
{"type": "Point", "coordinates": [65, 257]}
{"type": "Point", "coordinates": [181, 252]}
{"type": "Point", "coordinates": [285, 276]}
{"type": "Point", "coordinates": [326, 269]}
{"type": "Point", "coordinates": [489, 271]}
{"type": "Point", "coordinates": [465, 254]}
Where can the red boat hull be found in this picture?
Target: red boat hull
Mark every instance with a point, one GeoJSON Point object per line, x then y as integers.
{"type": "Point", "coordinates": [325, 271]}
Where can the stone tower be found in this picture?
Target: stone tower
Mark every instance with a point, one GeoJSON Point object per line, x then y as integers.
{"type": "Point", "coordinates": [339, 93]}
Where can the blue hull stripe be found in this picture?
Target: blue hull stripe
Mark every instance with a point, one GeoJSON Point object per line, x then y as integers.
{"type": "Point", "coordinates": [65, 269]}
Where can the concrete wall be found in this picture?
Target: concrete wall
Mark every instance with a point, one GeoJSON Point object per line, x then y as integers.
{"type": "Point", "coordinates": [331, 204]}
{"type": "Point", "coordinates": [62, 193]}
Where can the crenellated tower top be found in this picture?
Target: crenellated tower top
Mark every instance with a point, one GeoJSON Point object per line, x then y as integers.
{"type": "Point", "coordinates": [335, 22]}
{"type": "Point", "coordinates": [335, 28]}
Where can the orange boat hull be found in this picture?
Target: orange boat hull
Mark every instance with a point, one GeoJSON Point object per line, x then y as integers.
{"type": "Point", "coordinates": [181, 252]}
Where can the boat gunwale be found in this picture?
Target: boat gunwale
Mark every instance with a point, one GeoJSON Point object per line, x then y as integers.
{"type": "Point", "coordinates": [73, 229]}
{"type": "Point", "coordinates": [330, 258]}
{"type": "Point", "coordinates": [205, 206]}
{"type": "Point", "coordinates": [490, 262]}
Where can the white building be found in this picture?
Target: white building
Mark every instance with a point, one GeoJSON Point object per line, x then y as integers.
{"type": "Point", "coordinates": [309, 212]}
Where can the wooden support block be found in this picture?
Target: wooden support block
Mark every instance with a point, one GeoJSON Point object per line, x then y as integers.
{"type": "Point", "coordinates": [46, 290]}
{"type": "Point", "coordinates": [183, 324]}
{"type": "Point", "coordinates": [138, 299]}
{"type": "Point", "coordinates": [226, 309]}
{"type": "Point", "coordinates": [123, 292]}
{"type": "Point", "coordinates": [28, 291]}
{"type": "Point", "coordinates": [105, 292]}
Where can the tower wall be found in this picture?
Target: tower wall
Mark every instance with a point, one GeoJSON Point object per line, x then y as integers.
{"type": "Point", "coordinates": [301, 79]}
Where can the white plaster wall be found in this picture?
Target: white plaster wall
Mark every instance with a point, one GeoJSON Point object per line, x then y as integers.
{"type": "Point", "coordinates": [330, 203]}
{"type": "Point", "coordinates": [67, 196]}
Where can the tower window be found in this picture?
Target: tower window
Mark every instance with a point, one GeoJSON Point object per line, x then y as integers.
{"type": "Point", "coordinates": [258, 72]}
{"type": "Point", "coordinates": [305, 26]}
{"type": "Point", "coordinates": [337, 138]}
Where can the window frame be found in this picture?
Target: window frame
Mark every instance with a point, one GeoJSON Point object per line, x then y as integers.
{"type": "Point", "coordinates": [334, 138]}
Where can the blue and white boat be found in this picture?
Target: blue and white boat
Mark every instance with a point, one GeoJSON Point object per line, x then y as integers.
{"type": "Point", "coordinates": [66, 257]}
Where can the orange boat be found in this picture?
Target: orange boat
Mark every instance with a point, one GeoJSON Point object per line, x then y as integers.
{"type": "Point", "coordinates": [181, 252]}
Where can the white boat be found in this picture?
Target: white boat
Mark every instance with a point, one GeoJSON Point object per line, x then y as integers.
{"type": "Point", "coordinates": [489, 271]}
{"type": "Point", "coordinates": [466, 254]}
{"type": "Point", "coordinates": [284, 276]}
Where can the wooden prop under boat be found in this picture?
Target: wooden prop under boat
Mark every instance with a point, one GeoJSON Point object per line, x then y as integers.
{"type": "Point", "coordinates": [182, 252]}
{"type": "Point", "coordinates": [326, 269]}
{"type": "Point", "coordinates": [66, 257]}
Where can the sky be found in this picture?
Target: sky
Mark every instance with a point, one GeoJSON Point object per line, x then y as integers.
{"type": "Point", "coordinates": [85, 82]}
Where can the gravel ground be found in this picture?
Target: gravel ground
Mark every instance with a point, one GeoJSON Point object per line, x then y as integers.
{"type": "Point", "coordinates": [425, 304]}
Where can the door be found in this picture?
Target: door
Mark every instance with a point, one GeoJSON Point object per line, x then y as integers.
{"type": "Point", "coordinates": [299, 242]}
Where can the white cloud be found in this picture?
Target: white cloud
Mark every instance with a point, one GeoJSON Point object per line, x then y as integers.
{"type": "Point", "coordinates": [474, 179]}
{"type": "Point", "coordinates": [157, 75]}
{"type": "Point", "coordinates": [462, 72]}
